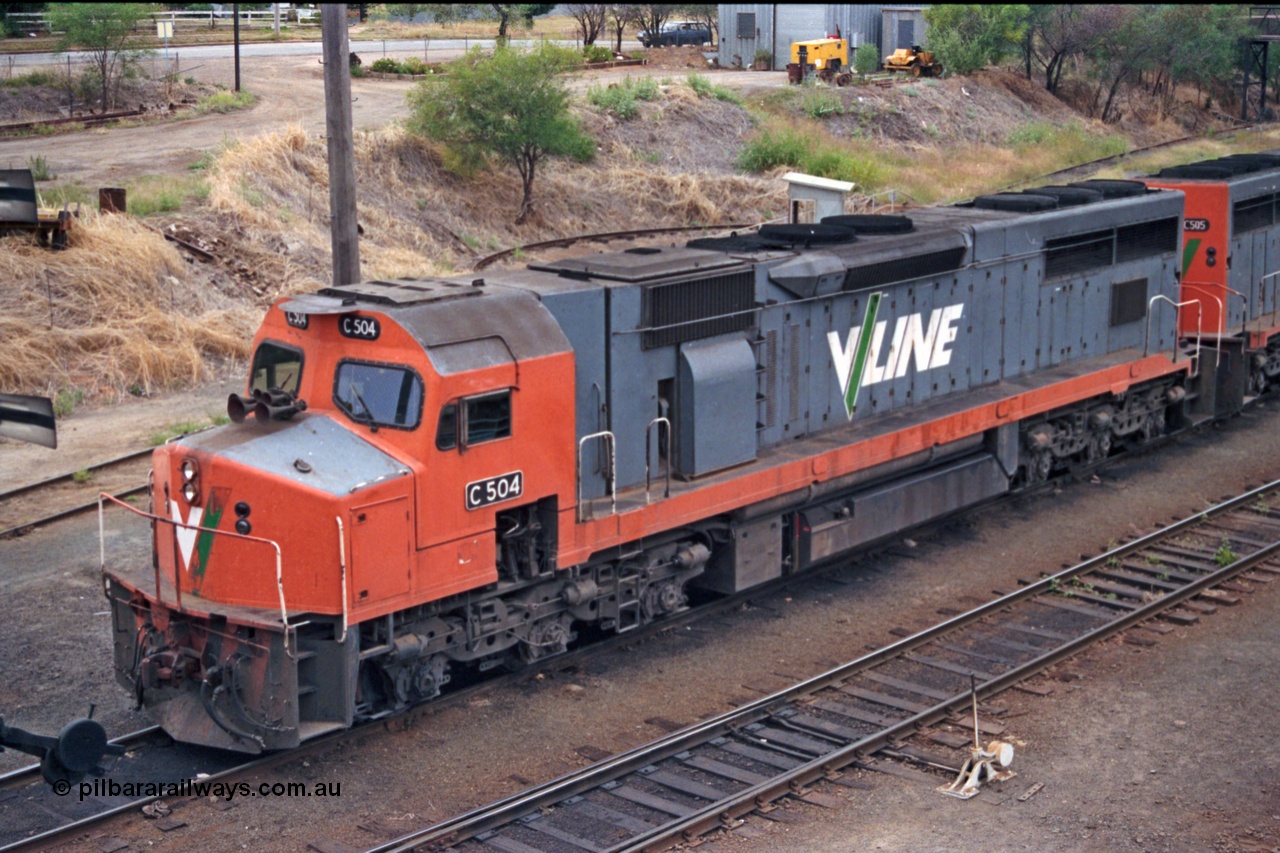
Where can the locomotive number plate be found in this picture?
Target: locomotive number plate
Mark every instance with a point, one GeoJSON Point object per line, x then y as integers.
{"type": "Point", "coordinates": [1195, 225]}
{"type": "Point", "coordinates": [494, 490]}
{"type": "Point", "coordinates": [362, 328]}
{"type": "Point", "coordinates": [297, 321]}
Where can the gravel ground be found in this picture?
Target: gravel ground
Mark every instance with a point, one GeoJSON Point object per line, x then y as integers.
{"type": "Point", "coordinates": [1199, 708]}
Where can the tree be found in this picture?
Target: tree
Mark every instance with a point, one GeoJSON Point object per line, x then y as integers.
{"type": "Point", "coordinates": [507, 13]}
{"type": "Point", "coordinates": [650, 17]}
{"type": "Point", "coordinates": [968, 36]}
{"type": "Point", "coordinates": [590, 18]}
{"type": "Point", "coordinates": [510, 105]}
{"type": "Point", "coordinates": [707, 14]}
{"type": "Point", "coordinates": [104, 30]}
{"type": "Point", "coordinates": [621, 16]}
{"type": "Point", "coordinates": [1058, 33]}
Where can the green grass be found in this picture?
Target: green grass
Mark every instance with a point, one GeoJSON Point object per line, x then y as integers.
{"type": "Point", "coordinates": [39, 167]}
{"type": "Point", "coordinates": [226, 101]}
{"type": "Point", "coordinates": [178, 428]}
{"type": "Point", "coordinates": [704, 88]}
{"type": "Point", "coordinates": [1224, 556]}
{"type": "Point", "coordinates": [68, 194]}
{"type": "Point", "coordinates": [35, 78]}
{"type": "Point", "coordinates": [622, 99]}
{"type": "Point", "coordinates": [799, 149]}
{"type": "Point", "coordinates": [66, 400]}
{"type": "Point", "coordinates": [822, 103]}
{"type": "Point", "coordinates": [84, 475]}
{"type": "Point", "coordinates": [161, 194]}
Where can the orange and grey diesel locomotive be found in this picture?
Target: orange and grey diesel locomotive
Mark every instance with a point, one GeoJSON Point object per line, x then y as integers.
{"type": "Point", "coordinates": [1231, 259]}
{"type": "Point", "coordinates": [439, 477]}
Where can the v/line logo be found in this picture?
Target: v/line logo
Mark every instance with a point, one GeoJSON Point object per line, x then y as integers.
{"type": "Point", "coordinates": [857, 360]}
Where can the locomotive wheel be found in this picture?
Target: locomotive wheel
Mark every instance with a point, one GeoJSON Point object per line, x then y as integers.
{"type": "Point", "coordinates": [1100, 445]}
{"type": "Point", "coordinates": [1153, 426]}
{"type": "Point", "coordinates": [844, 79]}
{"type": "Point", "coordinates": [1039, 466]}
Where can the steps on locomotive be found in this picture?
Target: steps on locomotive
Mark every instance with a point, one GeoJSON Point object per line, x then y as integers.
{"type": "Point", "coordinates": [322, 662]}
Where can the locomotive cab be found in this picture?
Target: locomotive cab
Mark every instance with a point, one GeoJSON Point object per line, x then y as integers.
{"type": "Point", "coordinates": [425, 457]}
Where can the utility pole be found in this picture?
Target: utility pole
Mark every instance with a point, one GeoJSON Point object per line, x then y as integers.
{"type": "Point", "coordinates": [342, 169]}
{"type": "Point", "coordinates": [275, 16]}
{"type": "Point", "coordinates": [235, 30]}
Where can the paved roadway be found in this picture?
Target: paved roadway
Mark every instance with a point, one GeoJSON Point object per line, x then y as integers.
{"type": "Point", "coordinates": [296, 48]}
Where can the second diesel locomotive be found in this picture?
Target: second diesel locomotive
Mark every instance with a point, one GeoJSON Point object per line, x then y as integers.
{"type": "Point", "coordinates": [450, 475]}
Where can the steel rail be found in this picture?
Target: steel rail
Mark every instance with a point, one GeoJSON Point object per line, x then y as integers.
{"type": "Point", "coordinates": [59, 478]}
{"type": "Point", "coordinates": [508, 809]}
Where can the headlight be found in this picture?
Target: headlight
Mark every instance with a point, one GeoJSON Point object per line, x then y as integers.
{"type": "Point", "coordinates": [189, 469]}
{"type": "Point", "coordinates": [191, 493]}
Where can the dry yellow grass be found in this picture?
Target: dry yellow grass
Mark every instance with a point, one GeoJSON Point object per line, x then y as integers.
{"type": "Point", "coordinates": [420, 219]}
{"type": "Point", "coordinates": [116, 310]}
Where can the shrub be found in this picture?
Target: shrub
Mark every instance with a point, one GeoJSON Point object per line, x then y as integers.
{"type": "Point", "coordinates": [820, 103]}
{"type": "Point", "coordinates": [597, 53]}
{"type": "Point", "coordinates": [414, 65]}
{"type": "Point", "coordinates": [39, 167]}
{"type": "Point", "coordinates": [621, 99]}
{"type": "Point", "coordinates": [699, 84]}
{"type": "Point", "coordinates": [772, 149]}
{"type": "Point", "coordinates": [35, 78]}
{"type": "Point", "coordinates": [866, 60]}
{"type": "Point", "coordinates": [1030, 133]}
{"type": "Point", "coordinates": [797, 149]}
{"type": "Point", "coordinates": [385, 65]}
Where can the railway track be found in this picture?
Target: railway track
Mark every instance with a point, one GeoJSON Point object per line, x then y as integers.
{"type": "Point", "coordinates": [76, 491]}
{"type": "Point", "coordinates": [710, 775]}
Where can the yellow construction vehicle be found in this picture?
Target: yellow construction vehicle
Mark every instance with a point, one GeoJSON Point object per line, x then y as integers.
{"type": "Point", "coordinates": [913, 59]}
{"type": "Point", "coordinates": [827, 58]}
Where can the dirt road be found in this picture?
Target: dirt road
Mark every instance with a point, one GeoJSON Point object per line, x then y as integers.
{"type": "Point", "coordinates": [289, 90]}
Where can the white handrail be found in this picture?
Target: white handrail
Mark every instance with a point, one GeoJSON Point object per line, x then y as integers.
{"type": "Point", "coordinates": [1160, 297]}
{"type": "Point", "coordinates": [342, 563]}
{"type": "Point", "coordinates": [102, 551]}
{"type": "Point", "coordinates": [613, 482]}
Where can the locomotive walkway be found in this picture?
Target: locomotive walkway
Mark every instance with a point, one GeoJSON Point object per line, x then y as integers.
{"type": "Point", "coordinates": [712, 774]}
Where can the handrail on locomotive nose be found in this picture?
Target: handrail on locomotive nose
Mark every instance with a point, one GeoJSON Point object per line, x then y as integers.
{"type": "Point", "coordinates": [1160, 297]}
{"type": "Point", "coordinates": [102, 555]}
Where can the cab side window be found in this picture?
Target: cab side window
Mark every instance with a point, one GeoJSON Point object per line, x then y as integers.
{"type": "Point", "coordinates": [486, 417]}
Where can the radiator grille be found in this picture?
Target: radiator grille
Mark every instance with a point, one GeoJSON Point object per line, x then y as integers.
{"type": "Point", "coordinates": [1079, 252]}
{"type": "Point", "coordinates": [688, 310]}
{"type": "Point", "coordinates": [1252, 213]}
{"type": "Point", "coordinates": [904, 269]}
{"type": "Point", "coordinates": [1146, 239]}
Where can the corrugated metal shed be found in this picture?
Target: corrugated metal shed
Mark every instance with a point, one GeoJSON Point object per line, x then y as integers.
{"type": "Point", "coordinates": [747, 28]}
